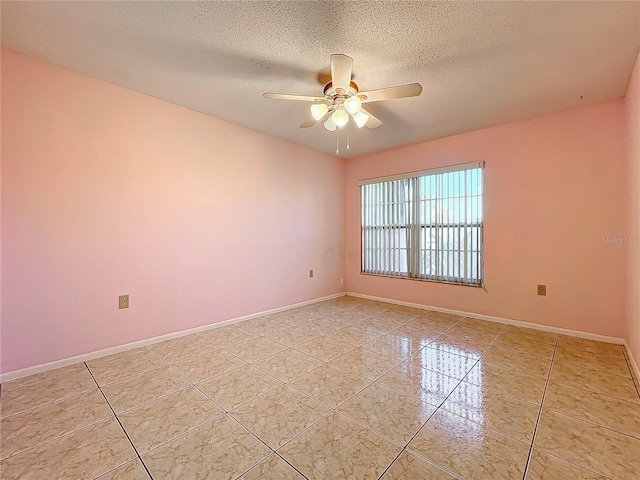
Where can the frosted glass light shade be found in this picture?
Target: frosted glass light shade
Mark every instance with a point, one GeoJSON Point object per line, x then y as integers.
{"type": "Point", "coordinates": [340, 117]}
{"type": "Point", "coordinates": [329, 125]}
{"type": "Point", "coordinates": [318, 110]}
{"type": "Point", "coordinates": [360, 118]}
{"type": "Point", "coordinates": [352, 104]}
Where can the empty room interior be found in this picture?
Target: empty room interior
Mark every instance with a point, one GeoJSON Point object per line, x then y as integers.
{"type": "Point", "coordinates": [320, 240]}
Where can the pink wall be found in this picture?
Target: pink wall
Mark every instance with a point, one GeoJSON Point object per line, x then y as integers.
{"type": "Point", "coordinates": [106, 192]}
{"type": "Point", "coordinates": [632, 106]}
{"type": "Point", "coordinates": [554, 187]}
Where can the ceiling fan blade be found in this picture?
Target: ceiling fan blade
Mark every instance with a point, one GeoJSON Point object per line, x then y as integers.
{"type": "Point", "coordinates": [287, 96]}
{"type": "Point", "coordinates": [341, 67]}
{"type": "Point", "coordinates": [373, 121]}
{"type": "Point", "coordinates": [389, 93]}
{"type": "Point", "coordinates": [311, 122]}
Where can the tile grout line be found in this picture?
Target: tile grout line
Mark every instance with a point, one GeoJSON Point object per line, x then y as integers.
{"type": "Point", "coordinates": [442, 403]}
{"type": "Point", "coordinates": [331, 410]}
{"type": "Point", "coordinates": [544, 394]}
{"type": "Point", "coordinates": [119, 423]}
{"type": "Point", "coordinates": [225, 412]}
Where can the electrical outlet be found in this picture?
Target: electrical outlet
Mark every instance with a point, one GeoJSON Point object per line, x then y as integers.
{"type": "Point", "coordinates": [342, 281]}
{"type": "Point", "coordinates": [542, 290]}
{"type": "Point", "coordinates": [123, 301]}
{"type": "Point", "coordinates": [310, 273]}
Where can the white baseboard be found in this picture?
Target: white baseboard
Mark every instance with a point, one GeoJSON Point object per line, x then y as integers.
{"type": "Point", "coordinates": [634, 364]}
{"type": "Point", "coordinates": [519, 323]}
{"type": "Point", "coordinates": [25, 372]}
{"type": "Point", "coordinates": [508, 321]}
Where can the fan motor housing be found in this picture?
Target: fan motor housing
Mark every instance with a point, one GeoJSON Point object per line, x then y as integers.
{"type": "Point", "coordinates": [330, 92]}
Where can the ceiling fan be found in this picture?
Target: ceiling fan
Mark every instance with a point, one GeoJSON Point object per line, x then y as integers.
{"type": "Point", "coordinates": [342, 99]}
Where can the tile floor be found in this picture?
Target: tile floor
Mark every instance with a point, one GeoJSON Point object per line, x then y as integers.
{"type": "Point", "coordinates": [344, 389]}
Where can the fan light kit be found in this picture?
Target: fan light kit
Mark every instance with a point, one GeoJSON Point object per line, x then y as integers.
{"type": "Point", "coordinates": [342, 101]}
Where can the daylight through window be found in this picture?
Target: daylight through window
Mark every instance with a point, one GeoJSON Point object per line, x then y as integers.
{"type": "Point", "coordinates": [425, 225]}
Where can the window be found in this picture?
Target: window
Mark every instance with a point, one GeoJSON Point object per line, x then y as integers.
{"type": "Point", "coordinates": [425, 225]}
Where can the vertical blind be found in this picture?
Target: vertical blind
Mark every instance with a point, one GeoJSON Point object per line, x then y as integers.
{"type": "Point", "coordinates": [425, 225]}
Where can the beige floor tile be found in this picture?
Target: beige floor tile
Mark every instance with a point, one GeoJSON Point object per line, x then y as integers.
{"type": "Point", "coordinates": [525, 387]}
{"type": "Point", "coordinates": [33, 427]}
{"type": "Point", "coordinates": [134, 391]}
{"type": "Point", "coordinates": [46, 390]}
{"type": "Point", "coordinates": [410, 467]}
{"type": "Point", "coordinates": [272, 468]}
{"type": "Point", "coordinates": [456, 366]}
{"type": "Point", "coordinates": [255, 349]}
{"type": "Point", "coordinates": [483, 325]}
{"type": "Point", "coordinates": [607, 363]}
{"type": "Point", "coordinates": [288, 364]}
{"type": "Point", "coordinates": [470, 333]}
{"type": "Point", "coordinates": [130, 471]}
{"type": "Point", "coordinates": [595, 448]}
{"type": "Point", "coordinates": [122, 365]}
{"type": "Point", "coordinates": [405, 309]}
{"type": "Point", "coordinates": [517, 361]}
{"type": "Point", "coordinates": [520, 344]}
{"type": "Point", "coordinates": [157, 422]}
{"type": "Point", "coordinates": [76, 368]}
{"type": "Point", "coordinates": [207, 365]}
{"type": "Point", "coordinates": [395, 347]}
{"type": "Point", "coordinates": [546, 467]}
{"type": "Point", "coordinates": [330, 324]}
{"type": "Point", "coordinates": [470, 450]}
{"type": "Point", "coordinates": [396, 317]}
{"type": "Point", "coordinates": [591, 346]}
{"type": "Point", "coordinates": [231, 389]}
{"type": "Point", "coordinates": [227, 335]}
{"type": "Point", "coordinates": [353, 335]}
{"type": "Point", "coordinates": [422, 384]}
{"type": "Point", "coordinates": [414, 334]}
{"type": "Point", "coordinates": [349, 316]}
{"type": "Point", "coordinates": [365, 363]}
{"type": "Point", "coordinates": [264, 325]}
{"type": "Point", "coordinates": [329, 384]}
{"type": "Point", "coordinates": [302, 315]}
{"type": "Point", "coordinates": [221, 449]}
{"type": "Point", "coordinates": [433, 326]}
{"type": "Point", "coordinates": [459, 346]}
{"type": "Point", "coordinates": [377, 325]}
{"type": "Point", "coordinates": [279, 415]}
{"type": "Point", "coordinates": [530, 335]}
{"type": "Point", "coordinates": [324, 348]}
{"type": "Point", "coordinates": [502, 413]}
{"type": "Point", "coordinates": [595, 381]}
{"type": "Point", "coordinates": [445, 318]}
{"type": "Point", "coordinates": [182, 348]}
{"type": "Point", "coordinates": [378, 308]}
{"type": "Point", "coordinates": [395, 415]}
{"type": "Point", "coordinates": [84, 454]}
{"type": "Point", "coordinates": [295, 335]}
{"type": "Point", "coordinates": [336, 447]}
{"type": "Point", "coordinates": [609, 412]}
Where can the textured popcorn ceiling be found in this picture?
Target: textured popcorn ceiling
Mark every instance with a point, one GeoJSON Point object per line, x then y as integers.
{"type": "Point", "coordinates": [481, 64]}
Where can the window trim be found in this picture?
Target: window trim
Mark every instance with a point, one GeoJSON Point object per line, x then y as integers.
{"type": "Point", "coordinates": [419, 173]}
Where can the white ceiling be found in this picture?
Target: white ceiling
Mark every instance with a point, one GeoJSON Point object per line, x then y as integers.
{"type": "Point", "coordinates": [480, 63]}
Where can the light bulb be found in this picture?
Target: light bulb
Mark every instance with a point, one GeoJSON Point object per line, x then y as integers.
{"type": "Point", "coordinates": [329, 125]}
{"type": "Point", "coordinates": [340, 117]}
{"type": "Point", "coordinates": [318, 110]}
{"type": "Point", "coordinates": [352, 104]}
{"type": "Point", "coordinates": [360, 118]}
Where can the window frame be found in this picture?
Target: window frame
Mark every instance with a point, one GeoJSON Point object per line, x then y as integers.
{"type": "Point", "coordinates": [407, 225]}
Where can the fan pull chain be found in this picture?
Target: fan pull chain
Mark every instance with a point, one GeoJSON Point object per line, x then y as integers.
{"type": "Point", "coordinates": [348, 132]}
{"type": "Point", "coordinates": [337, 141]}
